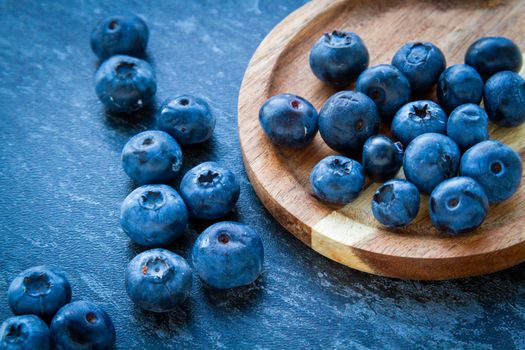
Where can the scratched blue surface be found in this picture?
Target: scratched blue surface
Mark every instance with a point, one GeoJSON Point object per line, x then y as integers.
{"type": "Point", "coordinates": [61, 185]}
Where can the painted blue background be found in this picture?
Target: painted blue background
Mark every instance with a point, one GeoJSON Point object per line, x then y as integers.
{"type": "Point", "coordinates": [61, 185]}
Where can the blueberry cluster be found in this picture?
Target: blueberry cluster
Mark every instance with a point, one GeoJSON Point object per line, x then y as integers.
{"type": "Point", "coordinates": [43, 294]}
{"type": "Point", "coordinates": [154, 215]}
{"type": "Point", "coordinates": [443, 147]}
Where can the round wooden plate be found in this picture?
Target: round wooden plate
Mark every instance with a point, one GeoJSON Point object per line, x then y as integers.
{"type": "Point", "coordinates": [349, 234]}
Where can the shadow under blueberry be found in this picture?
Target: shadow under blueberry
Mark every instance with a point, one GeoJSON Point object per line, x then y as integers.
{"type": "Point", "coordinates": [426, 95]}
{"type": "Point", "coordinates": [146, 56]}
{"type": "Point", "coordinates": [240, 298]}
{"type": "Point", "coordinates": [200, 225]}
{"type": "Point", "coordinates": [135, 121]}
{"type": "Point", "coordinates": [180, 246]}
{"type": "Point", "coordinates": [164, 324]}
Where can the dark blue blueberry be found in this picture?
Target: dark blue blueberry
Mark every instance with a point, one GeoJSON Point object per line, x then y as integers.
{"type": "Point", "coordinates": [209, 191]}
{"type": "Point", "coordinates": [459, 84]}
{"type": "Point", "coordinates": [491, 55]}
{"type": "Point", "coordinates": [289, 120]}
{"type": "Point", "coordinates": [40, 291]}
{"type": "Point", "coordinates": [387, 87]}
{"type": "Point", "coordinates": [125, 84]}
{"type": "Point", "coordinates": [468, 125]}
{"type": "Point", "coordinates": [421, 63]}
{"type": "Point", "coordinates": [187, 118]}
{"type": "Point", "coordinates": [122, 34]}
{"type": "Point", "coordinates": [496, 167]}
{"type": "Point", "coordinates": [429, 160]}
{"type": "Point", "coordinates": [338, 58]}
{"type": "Point", "coordinates": [346, 120]}
{"type": "Point", "coordinates": [458, 205]}
{"type": "Point", "coordinates": [396, 203]}
{"type": "Point", "coordinates": [158, 280]}
{"type": "Point", "coordinates": [337, 179]}
{"type": "Point", "coordinates": [153, 215]}
{"type": "Point", "coordinates": [418, 118]}
{"type": "Point", "coordinates": [382, 158]}
{"type": "Point", "coordinates": [26, 332]}
{"type": "Point", "coordinates": [82, 325]}
{"type": "Point", "coordinates": [504, 97]}
{"type": "Point", "coordinates": [152, 157]}
{"type": "Point", "coordinates": [228, 255]}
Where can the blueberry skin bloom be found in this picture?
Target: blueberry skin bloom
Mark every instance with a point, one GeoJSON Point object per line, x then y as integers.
{"type": "Point", "coordinates": [418, 118]}
{"type": "Point", "coordinates": [346, 120]}
{"type": "Point", "coordinates": [121, 34]}
{"type": "Point", "coordinates": [387, 87]}
{"type": "Point", "coordinates": [82, 325]}
{"type": "Point", "coordinates": [495, 166]}
{"type": "Point", "coordinates": [459, 84]}
{"type": "Point", "coordinates": [24, 333]}
{"type": "Point", "coordinates": [337, 179]}
{"type": "Point", "coordinates": [429, 160]}
{"type": "Point", "coordinates": [209, 191]}
{"type": "Point", "coordinates": [396, 203]}
{"type": "Point", "coordinates": [468, 125]}
{"type": "Point", "coordinates": [158, 280]}
{"type": "Point", "coordinates": [338, 58]}
{"type": "Point", "coordinates": [491, 55]}
{"type": "Point", "coordinates": [382, 158]}
{"type": "Point", "coordinates": [289, 120]}
{"type": "Point", "coordinates": [40, 291]}
{"type": "Point", "coordinates": [153, 215]}
{"type": "Point", "coordinates": [187, 118]}
{"type": "Point", "coordinates": [458, 205]}
{"type": "Point", "coordinates": [421, 63]}
{"type": "Point", "coordinates": [151, 156]}
{"type": "Point", "coordinates": [504, 97]}
{"type": "Point", "coordinates": [125, 84]}
{"type": "Point", "coordinates": [228, 255]}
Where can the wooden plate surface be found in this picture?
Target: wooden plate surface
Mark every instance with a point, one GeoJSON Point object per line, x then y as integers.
{"type": "Point", "coordinates": [349, 234]}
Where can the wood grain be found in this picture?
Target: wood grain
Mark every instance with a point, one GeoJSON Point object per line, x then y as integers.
{"type": "Point", "coordinates": [349, 234]}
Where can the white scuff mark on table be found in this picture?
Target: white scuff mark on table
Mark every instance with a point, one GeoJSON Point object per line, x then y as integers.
{"type": "Point", "coordinates": [188, 25]}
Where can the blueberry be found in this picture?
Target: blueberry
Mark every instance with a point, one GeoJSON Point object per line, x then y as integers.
{"type": "Point", "coordinates": [504, 97]}
{"type": "Point", "coordinates": [337, 179]}
{"type": "Point", "coordinates": [429, 160]}
{"type": "Point", "coordinates": [421, 63]}
{"type": "Point", "coordinates": [338, 58]}
{"type": "Point", "coordinates": [496, 167]}
{"type": "Point", "coordinates": [24, 333]}
{"type": "Point", "coordinates": [158, 280]}
{"type": "Point", "coordinates": [289, 120]}
{"type": "Point", "coordinates": [125, 84]}
{"type": "Point", "coordinates": [82, 325]}
{"type": "Point", "coordinates": [39, 290]}
{"type": "Point", "coordinates": [209, 191]}
{"type": "Point", "coordinates": [418, 118]}
{"type": "Point", "coordinates": [228, 255]}
{"type": "Point", "coordinates": [346, 120]}
{"type": "Point", "coordinates": [387, 87]}
{"type": "Point", "coordinates": [491, 55]}
{"type": "Point", "coordinates": [382, 158]}
{"type": "Point", "coordinates": [468, 125]}
{"type": "Point", "coordinates": [396, 203]}
{"type": "Point", "coordinates": [151, 157]}
{"type": "Point", "coordinates": [459, 84]}
{"type": "Point", "coordinates": [121, 34]}
{"type": "Point", "coordinates": [187, 118]}
{"type": "Point", "coordinates": [153, 215]}
{"type": "Point", "coordinates": [458, 205]}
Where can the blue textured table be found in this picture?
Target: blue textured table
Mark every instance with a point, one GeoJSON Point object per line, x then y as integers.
{"type": "Point", "coordinates": [61, 185]}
